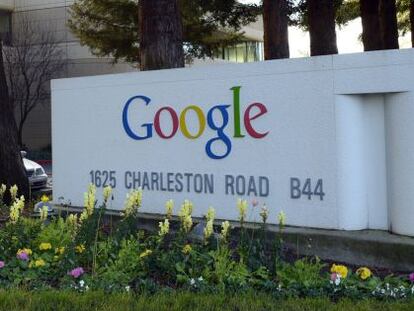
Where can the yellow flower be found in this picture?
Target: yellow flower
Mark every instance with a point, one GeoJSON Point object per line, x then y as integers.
{"type": "Point", "coordinates": [208, 230]}
{"type": "Point", "coordinates": [2, 190]}
{"type": "Point", "coordinates": [146, 253]}
{"type": "Point", "coordinates": [13, 192]}
{"type": "Point", "coordinates": [225, 228]}
{"type": "Point", "coordinates": [107, 191]}
{"type": "Point", "coordinates": [59, 250]}
{"type": "Point", "coordinates": [89, 202]}
{"type": "Point", "coordinates": [340, 269]}
{"type": "Point", "coordinates": [364, 273]}
{"type": "Point", "coordinates": [164, 228]}
{"type": "Point", "coordinates": [185, 216]}
{"type": "Point", "coordinates": [211, 214]}
{"type": "Point", "coordinates": [187, 249]}
{"type": "Point", "coordinates": [169, 206]}
{"type": "Point", "coordinates": [242, 207]}
{"type": "Point", "coordinates": [72, 221]}
{"type": "Point", "coordinates": [44, 198]}
{"type": "Point", "coordinates": [43, 213]}
{"type": "Point", "coordinates": [133, 202]}
{"type": "Point", "coordinates": [16, 208]}
{"type": "Point", "coordinates": [39, 263]}
{"type": "Point", "coordinates": [80, 248]}
{"type": "Point", "coordinates": [28, 251]}
{"type": "Point", "coordinates": [45, 246]}
{"type": "Point", "coordinates": [281, 218]}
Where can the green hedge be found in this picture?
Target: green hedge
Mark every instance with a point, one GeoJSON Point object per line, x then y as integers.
{"type": "Point", "coordinates": [61, 300]}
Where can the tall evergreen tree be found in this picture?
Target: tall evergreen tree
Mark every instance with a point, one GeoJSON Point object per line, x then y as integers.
{"type": "Point", "coordinates": [321, 19]}
{"type": "Point", "coordinates": [111, 28]}
{"type": "Point", "coordinates": [371, 36]}
{"type": "Point", "coordinates": [412, 21]}
{"type": "Point", "coordinates": [388, 24]}
{"type": "Point", "coordinates": [161, 39]}
{"type": "Point", "coordinates": [12, 171]}
{"type": "Point", "coordinates": [275, 26]}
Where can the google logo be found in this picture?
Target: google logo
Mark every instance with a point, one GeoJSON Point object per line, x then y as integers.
{"type": "Point", "coordinates": [179, 122]}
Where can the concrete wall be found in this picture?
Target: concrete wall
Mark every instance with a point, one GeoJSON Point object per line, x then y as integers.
{"type": "Point", "coordinates": [340, 122]}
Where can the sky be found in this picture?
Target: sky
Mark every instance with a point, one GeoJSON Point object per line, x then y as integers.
{"type": "Point", "coordinates": [348, 38]}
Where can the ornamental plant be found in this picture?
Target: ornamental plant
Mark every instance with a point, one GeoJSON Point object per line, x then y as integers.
{"type": "Point", "coordinates": [78, 253]}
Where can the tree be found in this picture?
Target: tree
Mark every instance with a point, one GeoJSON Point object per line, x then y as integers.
{"type": "Point", "coordinates": [371, 36]}
{"type": "Point", "coordinates": [345, 11]}
{"type": "Point", "coordinates": [31, 61]}
{"type": "Point", "coordinates": [12, 171]}
{"type": "Point", "coordinates": [405, 17]}
{"type": "Point", "coordinates": [388, 24]}
{"type": "Point", "coordinates": [161, 39]}
{"type": "Point", "coordinates": [321, 19]}
{"type": "Point", "coordinates": [275, 25]}
{"type": "Point", "coordinates": [412, 21]}
{"type": "Point", "coordinates": [111, 28]}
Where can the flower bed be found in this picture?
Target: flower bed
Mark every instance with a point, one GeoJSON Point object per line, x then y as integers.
{"type": "Point", "coordinates": [82, 253]}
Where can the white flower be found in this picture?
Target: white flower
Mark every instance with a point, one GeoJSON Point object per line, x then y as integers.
{"type": "Point", "coordinates": [127, 288]}
{"type": "Point", "coordinates": [192, 282]}
{"type": "Point", "coordinates": [81, 283]}
{"type": "Point", "coordinates": [200, 279]}
{"type": "Point", "coordinates": [337, 280]}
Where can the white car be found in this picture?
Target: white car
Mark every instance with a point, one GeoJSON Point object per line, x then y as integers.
{"type": "Point", "coordinates": [35, 173]}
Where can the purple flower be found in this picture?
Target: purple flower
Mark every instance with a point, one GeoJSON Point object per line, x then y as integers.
{"type": "Point", "coordinates": [2, 264]}
{"type": "Point", "coordinates": [77, 272]}
{"type": "Point", "coordinates": [411, 277]}
{"type": "Point", "coordinates": [23, 256]}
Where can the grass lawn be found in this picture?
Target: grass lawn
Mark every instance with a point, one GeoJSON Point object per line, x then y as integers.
{"type": "Point", "coordinates": [60, 300]}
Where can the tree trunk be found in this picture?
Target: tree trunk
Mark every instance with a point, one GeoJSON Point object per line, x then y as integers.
{"type": "Point", "coordinates": [388, 24]}
{"type": "Point", "coordinates": [275, 24]}
{"type": "Point", "coordinates": [412, 21]}
{"type": "Point", "coordinates": [12, 170]}
{"type": "Point", "coordinates": [371, 36]}
{"type": "Point", "coordinates": [321, 14]}
{"type": "Point", "coordinates": [161, 35]}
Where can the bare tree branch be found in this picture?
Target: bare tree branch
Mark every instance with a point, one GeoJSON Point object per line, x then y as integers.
{"type": "Point", "coordinates": [34, 57]}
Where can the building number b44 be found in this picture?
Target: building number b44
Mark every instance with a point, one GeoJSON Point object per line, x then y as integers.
{"type": "Point", "coordinates": [300, 188]}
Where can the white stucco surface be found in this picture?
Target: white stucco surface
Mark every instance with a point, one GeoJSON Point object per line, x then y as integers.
{"type": "Point", "coordinates": [344, 121]}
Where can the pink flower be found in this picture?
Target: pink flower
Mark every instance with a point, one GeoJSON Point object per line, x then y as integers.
{"type": "Point", "coordinates": [334, 276]}
{"type": "Point", "coordinates": [77, 272]}
{"type": "Point", "coordinates": [2, 264]}
{"type": "Point", "coordinates": [411, 277]}
{"type": "Point", "coordinates": [255, 202]}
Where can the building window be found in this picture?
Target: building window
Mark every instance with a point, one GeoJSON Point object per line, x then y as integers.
{"type": "Point", "coordinates": [249, 51]}
{"type": "Point", "coordinates": [5, 26]}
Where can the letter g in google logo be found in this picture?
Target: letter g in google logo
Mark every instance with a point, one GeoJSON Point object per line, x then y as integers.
{"type": "Point", "coordinates": [180, 122]}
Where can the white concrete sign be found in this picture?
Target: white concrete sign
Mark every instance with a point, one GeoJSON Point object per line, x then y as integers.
{"type": "Point", "coordinates": [328, 140]}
